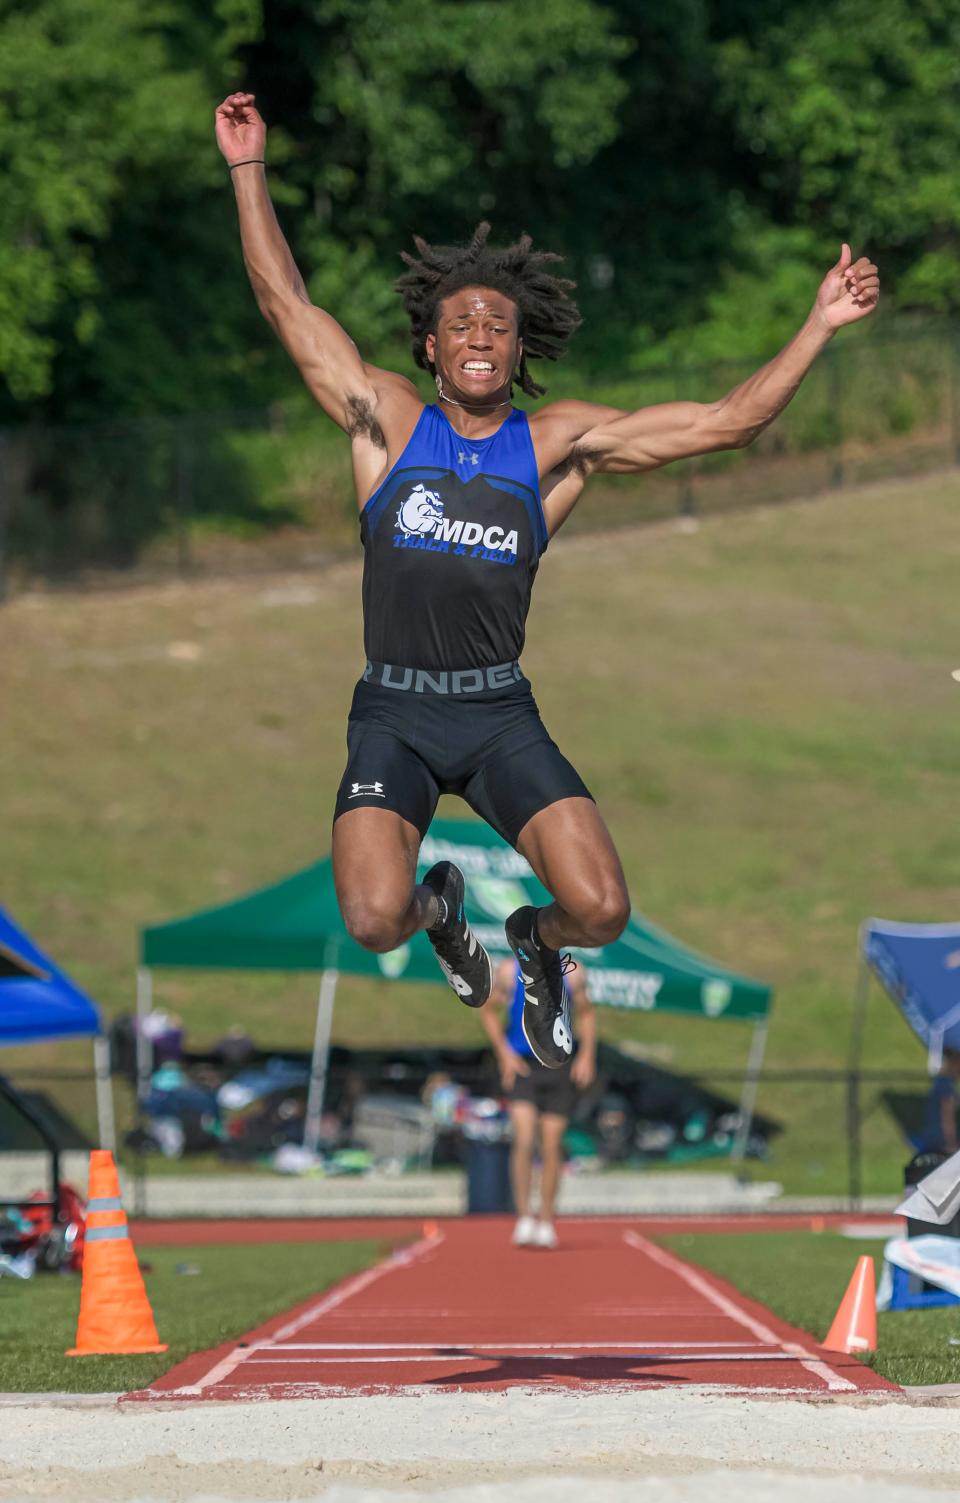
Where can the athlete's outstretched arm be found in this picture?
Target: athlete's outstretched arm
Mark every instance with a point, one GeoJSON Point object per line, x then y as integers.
{"type": "Point", "coordinates": [348, 390]}
{"type": "Point", "coordinates": [654, 436]}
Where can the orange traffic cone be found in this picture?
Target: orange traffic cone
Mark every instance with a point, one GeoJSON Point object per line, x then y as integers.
{"type": "Point", "coordinates": [115, 1314]}
{"type": "Point", "coordinates": [854, 1326]}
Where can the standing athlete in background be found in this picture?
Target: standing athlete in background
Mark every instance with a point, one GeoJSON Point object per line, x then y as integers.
{"type": "Point", "coordinates": [541, 1100]}
{"type": "Point", "coordinates": [457, 504]}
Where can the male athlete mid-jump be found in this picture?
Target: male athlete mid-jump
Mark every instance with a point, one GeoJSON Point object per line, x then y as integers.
{"type": "Point", "coordinates": [457, 503]}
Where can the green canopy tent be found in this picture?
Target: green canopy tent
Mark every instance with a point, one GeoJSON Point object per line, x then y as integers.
{"type": "Point", "coordinates": [295, 925]}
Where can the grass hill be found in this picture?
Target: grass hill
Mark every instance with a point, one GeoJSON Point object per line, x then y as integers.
{"type": "Point", "coordinates": [763, 707]}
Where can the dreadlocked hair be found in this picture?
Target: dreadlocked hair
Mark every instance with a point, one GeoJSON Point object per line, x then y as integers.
{"type": "Point", "coordinates": [547, 315]}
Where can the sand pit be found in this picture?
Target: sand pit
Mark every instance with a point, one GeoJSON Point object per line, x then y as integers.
{"type": "Point", "coordinates": [659, 1445]}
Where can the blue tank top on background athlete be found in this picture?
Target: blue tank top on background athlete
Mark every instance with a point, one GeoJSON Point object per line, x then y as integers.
{"type": "Point", "coordinates": [452, 541]}
{"type": "Point", "coordinates": [513, 1032]}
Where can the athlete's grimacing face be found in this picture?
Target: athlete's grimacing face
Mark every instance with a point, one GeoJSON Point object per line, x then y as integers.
{"type": "Point", "coordinates": [476, 347]}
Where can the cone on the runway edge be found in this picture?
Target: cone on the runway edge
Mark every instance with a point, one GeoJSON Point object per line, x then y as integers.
{"type": "Point", "coordinates": [115, 1314]}
{"type": "Point", "coordinates": [854, 1326]}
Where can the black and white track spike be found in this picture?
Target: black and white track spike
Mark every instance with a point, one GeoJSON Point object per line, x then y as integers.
{"type": "Point", "coordinates": [546, 1021]}
{"type": "Point", "coordinates": [462, 957]}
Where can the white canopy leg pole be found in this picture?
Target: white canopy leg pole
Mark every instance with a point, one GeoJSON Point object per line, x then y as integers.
{"type": "Point", "coordinates": [106, 1121]}
{"type": "Point", "coordinates": [748, 1096]}
{"type": "Point", "coordinates": [318, 1064]}
{"type": "Point", "coordinates": [860, 1004]}
{"type": "Point", "coordinates": [144, 1051]}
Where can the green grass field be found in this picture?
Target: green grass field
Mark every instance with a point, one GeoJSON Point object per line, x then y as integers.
{"type": "Point", "coordinates": [763, 708]}
{"type": "Point", "coordinates": [801, 1276]}
{"type": "Point", "coordinates": [228, 1291]}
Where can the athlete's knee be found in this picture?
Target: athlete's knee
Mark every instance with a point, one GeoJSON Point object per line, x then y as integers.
{"type": "Point", "coordinates": [523, 1126]}
{"type": "Point", "coordinates": [606, 913]}
{"type": "Point", "coordinates": [375, 926]}
{"type": "Point", "coordinates": [521, 1149]}
{"type": "Point", "coordinates": [551, 1144]}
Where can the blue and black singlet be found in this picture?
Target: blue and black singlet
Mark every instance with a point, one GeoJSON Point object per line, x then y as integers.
{"type": "Point", "coordinates": [452, 542]}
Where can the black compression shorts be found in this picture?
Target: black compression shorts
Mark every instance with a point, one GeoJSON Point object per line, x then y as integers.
{"type": "Point", "coordinates": [550, 1091]}
{"type": "Point", "coordinates": [491, 747]}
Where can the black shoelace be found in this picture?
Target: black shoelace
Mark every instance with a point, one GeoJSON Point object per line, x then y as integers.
{"type": "Point", "coordinates": [557, 962]}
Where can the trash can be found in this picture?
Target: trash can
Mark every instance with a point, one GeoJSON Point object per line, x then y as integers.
{"type": "Point", "coordinates": [488, 1178]}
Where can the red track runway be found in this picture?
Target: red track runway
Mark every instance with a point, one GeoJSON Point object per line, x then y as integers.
{"type": "Point", "coordinates": [462, 1309]}
{"type": "Point", "coordinates": [207, 1231]}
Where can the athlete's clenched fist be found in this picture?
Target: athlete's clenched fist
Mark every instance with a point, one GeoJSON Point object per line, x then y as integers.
{"type": "Point", "coordinates": [241, 132]}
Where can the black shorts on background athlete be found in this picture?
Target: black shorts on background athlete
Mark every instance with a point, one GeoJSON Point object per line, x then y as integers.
{"type": "Point", "coordinates": [550, 1091]}
{"type": "Point", "coordinates": [452, 542]}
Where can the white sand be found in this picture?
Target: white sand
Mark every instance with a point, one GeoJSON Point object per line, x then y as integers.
{"type": "Point", "coordinates": [485, 1448]}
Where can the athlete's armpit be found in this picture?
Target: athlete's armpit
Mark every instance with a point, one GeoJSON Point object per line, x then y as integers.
{"type": "Point", "coordinates": [583, 460]}
{"type": "Point", "coordinates": [361, 421]}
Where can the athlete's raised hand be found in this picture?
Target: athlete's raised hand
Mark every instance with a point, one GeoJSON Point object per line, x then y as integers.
{"type": "Point", "coordinates": [850, 290]}
{"type": "Point", "coordinates": [241, 132]}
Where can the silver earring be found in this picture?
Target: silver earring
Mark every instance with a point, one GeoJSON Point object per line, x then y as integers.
{"type": "Point", "coordinates": [439, 385]}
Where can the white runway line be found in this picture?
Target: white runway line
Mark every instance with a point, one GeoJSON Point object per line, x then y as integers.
{"type": "Point", "coordinates": [809, 1360]}
{"type": "Point", "coordinates": [442, 1360]}
{"type": "Point", "coordinates": [505, 1345]}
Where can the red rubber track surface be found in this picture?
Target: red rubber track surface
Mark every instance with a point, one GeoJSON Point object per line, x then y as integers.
{"type": "Point", "coordinates": [462, 1309]}
{"type": "Point", "coordinates": [202, 1233]}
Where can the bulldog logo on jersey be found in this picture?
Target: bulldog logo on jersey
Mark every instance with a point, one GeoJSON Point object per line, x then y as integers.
{"type": "Point", "coordinates": [420, 513]}
{"type": "Point", "coordinates": [422, 523]}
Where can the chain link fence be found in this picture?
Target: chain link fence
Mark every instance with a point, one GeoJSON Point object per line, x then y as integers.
{"type": "Point", "coordinates": [229, 492]}
{"type": "Point", "coordinates": [838, 1138]}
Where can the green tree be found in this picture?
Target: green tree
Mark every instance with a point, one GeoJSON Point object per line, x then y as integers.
{"type": "Point", "coordinates": [847, 122]}
{"type": "Point", "coordinates": [416, 116]}
{"type": "Point", "coordinates": [106, 251]}
{"type": "Point", "coordinates": [697, 163]}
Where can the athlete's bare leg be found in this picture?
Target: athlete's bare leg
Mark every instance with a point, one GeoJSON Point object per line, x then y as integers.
{"type": "Point", "coordinates": [552, 1129]}
{"type": "Point", "coordinates": [375, 869]}
{"type": "Point", "coordinates": [570, 849]}
{"type": "Point", "coordinates": [523, 1123]}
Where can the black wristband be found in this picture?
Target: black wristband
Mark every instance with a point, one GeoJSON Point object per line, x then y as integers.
{"type": "Point", "coordinates": [250, 162]}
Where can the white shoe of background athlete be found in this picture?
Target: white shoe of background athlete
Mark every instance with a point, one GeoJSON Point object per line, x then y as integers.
{"type": "Point", "coordinates": [524, 1232]}
{"type": "Point", "coordinates": [544, 1234]}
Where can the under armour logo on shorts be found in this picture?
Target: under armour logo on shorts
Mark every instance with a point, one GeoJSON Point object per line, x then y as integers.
{"type": "Point", "coordinates": [367, 790]}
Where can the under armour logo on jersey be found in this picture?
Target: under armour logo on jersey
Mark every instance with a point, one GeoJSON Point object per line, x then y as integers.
{"type": "Point", "coordinates": [465, 456]}
{"type": "Point", "coordinates": [367, 790]}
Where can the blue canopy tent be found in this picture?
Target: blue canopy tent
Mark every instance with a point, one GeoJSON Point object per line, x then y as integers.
{"type": "Point", "coordinates": [919, 966]}
{"type": "Point", "coordinates": [39, 1002]}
